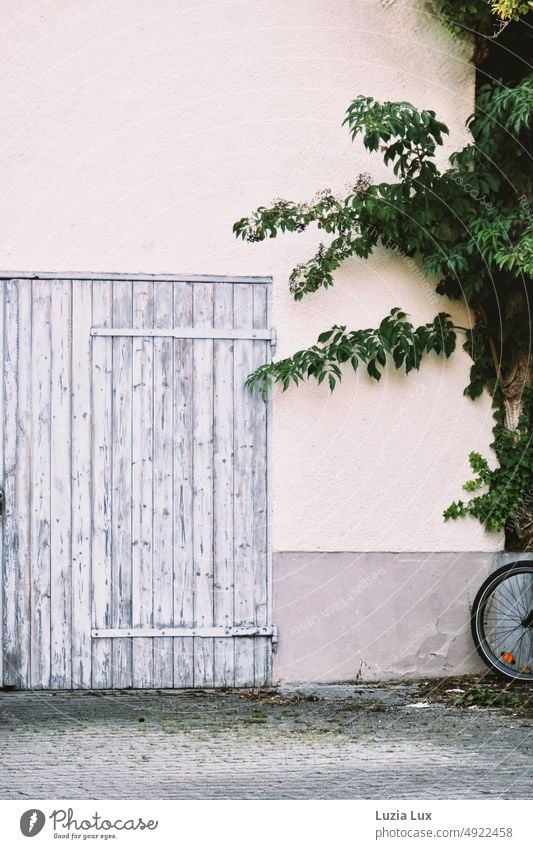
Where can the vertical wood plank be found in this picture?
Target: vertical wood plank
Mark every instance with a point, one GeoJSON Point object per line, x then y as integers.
{"type": "Point", "coordinates": [10, 538]}
{"type": "Point", "coordinates": [203, 484]}
{"type": "Point", "coordinates": [260, 355]}
{"type": "Point", "coordinates": [243, 488]}
{"type": "Point", "coordinates": [142, 484]}
{"type": "Point", "coordinates": [17, 482]}
{"type": "Point", "coordinates": [122, 484]}
{"type": "Point", "coordinates": [223, 486]}
{"type": "Point", "coordinates": [183, 486]}
{"type": "Point", "coordinates": [9, 429]}
{"type": "Point", "coordinates": [268, 471]}
{"type": "Point", "coordinates": [2, 420]}
{"type": "Point", "coordinates": [163, 471]}
{"type": "Point", "coordinates": [26, 411]}
{"type": "Point", "coordinates": [60, 486]}
{"type": "Point", "coordinates": [40, 528]}
{"type": "Point", "coordinates": [81, 482]}
{"type": "Point", "coordinates": [102, 494]}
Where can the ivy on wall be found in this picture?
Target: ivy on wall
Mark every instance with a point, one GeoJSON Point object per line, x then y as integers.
{"type": "Point", "coordinates": [471, 227]}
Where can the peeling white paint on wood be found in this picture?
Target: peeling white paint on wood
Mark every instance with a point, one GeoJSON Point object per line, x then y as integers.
{"type": "Point", "coordinates": [122, 494]}
{"type": "Point", "coordinates": [134, 467]}
{"type": "Point", "coordinates": [40, 464]}
{"type": "Point", "coordinates": [10, 329]}
{"type": "Point", "coordinates": [81, 483]}
{"type": "Point", "coordinates": [243, 504]}
{"type": "Point", "coordinates": [17, 459]}
{"type": "Point", "coordinates": [262, 652]}
{"type": "Point", "coordinates": [223, 571]}
{"type": "Point", "coordinates": [60, 486]}
{"type": "Point", "coordinates": [101, 451]}
{"type": "Point", "coordinates": [183, 486]}
{"type": "Point", "coordinates": [142, 489]}
{"type": "Point", "coordinates": [2, 475]}
{"type": "Point", "coordinates": [25, 490]}
{"type": "Point", "coordinates": [163, 481]}
{"type": "Point", "coordinates": [202, 433]}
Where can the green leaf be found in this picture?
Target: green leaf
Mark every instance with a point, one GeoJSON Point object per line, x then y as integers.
{"type": "Point", "coordinates": [373, 371]}
{"type": "Point", "coordinates": [381, 357]}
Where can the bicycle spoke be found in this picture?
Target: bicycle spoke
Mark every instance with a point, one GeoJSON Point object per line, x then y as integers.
{"type": "Point", "coordinates": [502, 604]}
{"type": "Point", "coordinates": [520, 595]}
{"type": "Point", "coordinates": [503, 640]}
{"type": "Point", "coordinates": [504, 635]}
{"type": "Point", "coordinates": [506, 601]}
{"type": "Point", "coordinates": [512, 600]}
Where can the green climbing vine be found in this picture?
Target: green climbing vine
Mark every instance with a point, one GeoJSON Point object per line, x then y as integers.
{"type": "Point", "coordinates": [395, 338]}
{"type": "Point", "coordinates": [470, 224]}
{"type": "Point", "coordinates": [504, 494]}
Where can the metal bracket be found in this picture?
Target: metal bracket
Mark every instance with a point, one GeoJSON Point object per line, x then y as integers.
{"type": "Point", "coordinates": [215, 631]}
{"type": "Point", "coordinates": [274, 639]}
{"type": "Point", "coordinates": [184, 332]}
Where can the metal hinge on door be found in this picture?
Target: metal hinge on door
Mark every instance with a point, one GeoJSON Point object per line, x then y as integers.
{"type": "Point", "coordinates": [2, 502]}
{"type": "Point", "coordinates": [274, 639]}
{"type": "Point", "coordinates": [208, 631]}
{"type": "Point", "coordinates": [273, 341]}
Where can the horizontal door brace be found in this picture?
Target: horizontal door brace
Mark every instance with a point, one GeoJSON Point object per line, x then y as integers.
{"type": "Point", "coordinates": [184, 332]}
{"type": "Point", "coordinates": [74, 276]}
{"type": "Point", "coordinates": [214, 631]}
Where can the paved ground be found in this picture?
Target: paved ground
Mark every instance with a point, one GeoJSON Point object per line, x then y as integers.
{"type": "Point", "coordinates": [321, 742]}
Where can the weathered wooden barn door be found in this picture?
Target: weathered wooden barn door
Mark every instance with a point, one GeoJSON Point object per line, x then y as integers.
{"type": "Point", "coordinates": [135, 539]}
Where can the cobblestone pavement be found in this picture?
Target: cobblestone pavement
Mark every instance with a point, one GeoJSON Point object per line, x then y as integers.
{"type": "Point", "coordinates": [320, 743]}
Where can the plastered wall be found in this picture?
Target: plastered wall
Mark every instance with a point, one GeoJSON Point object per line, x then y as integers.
{"type": "Point", "coordinates": [134, 133]}
{"type": "Point", "coordinates": [376, 616]}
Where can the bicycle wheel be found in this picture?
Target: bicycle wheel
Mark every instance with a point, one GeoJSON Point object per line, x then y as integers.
{"type": "Point", "coordinates": [502, 621]}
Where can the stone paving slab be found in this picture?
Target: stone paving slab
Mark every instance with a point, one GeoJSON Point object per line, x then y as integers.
{"type": "Point", "coordinates": [310, 742]}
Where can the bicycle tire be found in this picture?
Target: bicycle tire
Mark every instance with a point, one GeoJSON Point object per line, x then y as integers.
{"type": "Point", "coordinates": [502, 621]}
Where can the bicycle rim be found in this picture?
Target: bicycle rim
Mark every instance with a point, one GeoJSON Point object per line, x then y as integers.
{"type": "Point", "coordinates": [502, 622]}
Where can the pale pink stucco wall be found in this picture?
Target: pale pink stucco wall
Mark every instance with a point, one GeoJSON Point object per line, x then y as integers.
{"type": "Point", "coordinates": [376, 616]}
{"type": "Point", "coordinates": [135, 133]}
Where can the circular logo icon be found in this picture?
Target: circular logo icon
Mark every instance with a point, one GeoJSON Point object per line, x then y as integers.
{"type": "Point", "coordinates": [32, 822]}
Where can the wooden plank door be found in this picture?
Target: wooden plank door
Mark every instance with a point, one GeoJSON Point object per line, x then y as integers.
{"type": "Point", "coordinates": [181, 594]}
{"type": "Point", "coordinates": [134, 465]}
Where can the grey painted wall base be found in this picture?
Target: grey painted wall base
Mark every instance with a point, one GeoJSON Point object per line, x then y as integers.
{"type": "Point", "coordinates": [376, 616]}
